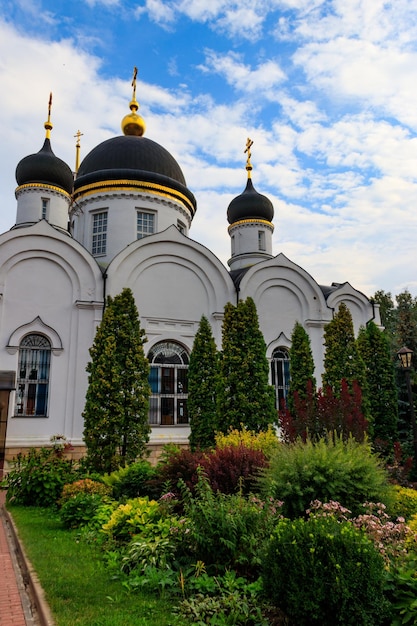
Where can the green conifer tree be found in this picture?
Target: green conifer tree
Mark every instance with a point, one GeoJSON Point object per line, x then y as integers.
{"type": "Point", "coordinates": [382, 388]}
{"type": "Point", "coordinates": [342, 360]}
{"type": "Point", "coordinates": [202, 385]}
{"type": "Point", "coordinates": [301, 365]}
{"type": "Point", "coordinates": [116, 428]}
{"type": "Point", "coordinates": [245, 397]}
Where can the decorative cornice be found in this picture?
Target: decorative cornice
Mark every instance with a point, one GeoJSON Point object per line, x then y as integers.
{"type": "Point", "coordinates": [126, 185]}
{"type": "Point", "coordinates": [39, 186]}
{"type": "Point", "coordinates": [251, 222]}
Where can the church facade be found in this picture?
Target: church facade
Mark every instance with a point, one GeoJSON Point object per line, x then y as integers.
{"type": "Point", "coordinates": [123, 220]}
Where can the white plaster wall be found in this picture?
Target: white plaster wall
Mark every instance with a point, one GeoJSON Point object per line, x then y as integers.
{"type": "Point", "coordinates": [29, 206]}
{"type": "Point", "coordinates": [175, 281]}
{"type": "Point", "coordinates": [122, 210]}
{"type": "Point", "coordinates": [49, 285]}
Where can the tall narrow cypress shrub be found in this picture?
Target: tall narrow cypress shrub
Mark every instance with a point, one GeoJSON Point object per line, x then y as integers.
{"type": "Point", "coordinates": [301, 365]}
{"type": "Point", "coordinates": [383, 398]}
{"type": "Point", "coordinates": [116, 428]}
{"type": "Point", "coordinates": [245, 396]}
{"type": "Point", "coordinates": [202, 385]}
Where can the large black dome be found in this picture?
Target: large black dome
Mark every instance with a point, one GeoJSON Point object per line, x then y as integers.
{"type": "Point", "coordinates": [44, 167]}
{"type": "Point", "coordinates": [250, 205]}
{"type": "Point", "coordinates": [129, 152]}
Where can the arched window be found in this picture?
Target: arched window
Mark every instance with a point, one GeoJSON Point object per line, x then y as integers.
{"type": "Point", "coordinates": [33, 376]}
{"type": "Point", "coordinates": [169, 384]}
{"type": "Point", "coordinates": [280, 374]}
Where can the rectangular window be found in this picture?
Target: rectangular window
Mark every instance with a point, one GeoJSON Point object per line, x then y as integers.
{"type": "Point", "coordinates": [233, 245]}
{"type": "Point", "coordinates": [45, 207]}
{"type": "Point", "coordinates": [145, 224]}
{"type": "Point", "coordinates": [99, 233]}
{"type": "Point", "coordinates": [261, 240]}
{"type": "Point", "coordinates": [181, 227]}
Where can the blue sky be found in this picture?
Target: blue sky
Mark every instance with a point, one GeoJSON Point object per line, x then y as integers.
{"type": "Point", "coordinates": [326, 89]}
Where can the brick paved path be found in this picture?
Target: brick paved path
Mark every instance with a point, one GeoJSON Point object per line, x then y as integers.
{"type": "Point", "coordinates": [11, 607]}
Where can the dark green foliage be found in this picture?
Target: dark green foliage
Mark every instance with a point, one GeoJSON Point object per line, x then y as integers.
{"type": "Point", "coordinates": [331, 469]}
{"type": "Point", "coordinates": [245, 396]}
{"type": "Point", "coordinates": [401, 590]}
{"type": "Point", "coordinates": [301, 367]}
{"type": "Point", "coordinates": [227, 531]}
{"type": "Point", "coordinates": [80, 509]}
{"type": "Point", "coordinates": [406, 322]}
{"type": "Point", "coordinates": [116, 427]}
{"type": "Point", "coordinates": [202, 384]}
{"type": "Point", "coordinates": [37, 478]}
{"type": "Point", "coordinates": [322, 572]}
{"type": "Point", "coordinates": [224, 600]}
{"type": "Point", "coordinates": [342, 360]}
{"type": "Point", "coordinates": [383, 399]}
{"type": "Point", "coordinates": [133, 480]}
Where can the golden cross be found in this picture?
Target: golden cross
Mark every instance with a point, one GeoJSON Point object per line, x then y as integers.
{"type": "Point", "coordinates": [78, 134]}
{"type": "Point", "coordinates": [135, 73]}
{"type": "Point", "coordinates": [50, 105]}
{"type": "Point", "coordinates": [249, 144]}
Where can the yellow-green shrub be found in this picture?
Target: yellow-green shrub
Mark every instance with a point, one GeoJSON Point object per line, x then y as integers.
{"type": "Point", "coordinates": [130, 519]}
{"type": "Point", "coordinates": [266, 441]}
{"type": "Point", "coordinates": [405, 504]}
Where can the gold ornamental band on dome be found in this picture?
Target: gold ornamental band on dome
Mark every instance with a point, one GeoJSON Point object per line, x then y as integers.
{"type": "Point", "coordinates": [42, 186]}
{"type": "Point", "coordinates": [251, 221]}
{"type": "Point", "coordinates": [125, 185]}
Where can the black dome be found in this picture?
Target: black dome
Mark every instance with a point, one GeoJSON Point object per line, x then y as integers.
{"type": "Point", "coordinates": [250, 205]}
{"type": "Point", "coordinates": [45, 167]}
{"type": "Point", "coordinates": [131, 153]}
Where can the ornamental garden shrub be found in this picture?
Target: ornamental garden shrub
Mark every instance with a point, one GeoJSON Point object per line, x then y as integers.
{"type": "Point", "coordinates": [266, 440]}
{"type": "Point", "coordinates": [405, 503]}
{"type": "Point", "coordinates": [80, 509]}
{"type": "Point", "coordinates": [329, 469]}
{"type": "Point", "coordinates": [228, 469]}
{"type": "Point", "coordinates": [132, 481]}
{"type": "Point", "coordinates": [85, 486]}
{"type": "Point", "coordinates": [227, 530]}
{"type": "Point", "coordinates": [177, 464]}
{"type": "Point", "coordinates": [233, 468]}
{"type": "Point", "coordinates": [130, 519]}
{"type": "Point", "coordinates": [37, 478]}
{"type": "Point", "coordinates": [323, 572]}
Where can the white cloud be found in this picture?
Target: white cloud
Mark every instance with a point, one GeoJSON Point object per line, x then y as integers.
{"type": "Point", "coordinates": [262, 80]}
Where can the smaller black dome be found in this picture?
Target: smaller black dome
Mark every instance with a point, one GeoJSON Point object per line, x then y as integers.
{"type": "Point", "coordinates": [45, 167]}
{"type": "Point", "coordinates": [250, 205]}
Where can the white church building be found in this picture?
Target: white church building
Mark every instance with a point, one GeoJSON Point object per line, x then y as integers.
{"type": "Point", "coordinates": [123, 220]}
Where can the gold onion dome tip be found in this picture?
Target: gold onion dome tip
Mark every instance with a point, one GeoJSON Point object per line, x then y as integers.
{"type": "Point", "coordinates": [132, 123]}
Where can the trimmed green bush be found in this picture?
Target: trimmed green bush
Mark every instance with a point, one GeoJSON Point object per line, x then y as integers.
{"type": "Point", "coordinates": [133, 481]}
{"type": "Point", "coordinates": [322, 572]}
{"type": "Point", "coordinates": [330, 469]}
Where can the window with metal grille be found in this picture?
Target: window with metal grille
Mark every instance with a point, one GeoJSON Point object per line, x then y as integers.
{"type": "Point", "coordinates": [168, 379]}
{"type": "Point", "coordinates": [33, 376]}
{"type": "Point", "coordinates": [280, 375]}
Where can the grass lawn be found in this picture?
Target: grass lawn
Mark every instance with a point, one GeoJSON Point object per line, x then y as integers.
{"type": "Point", "coordinates": [78, 588]}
